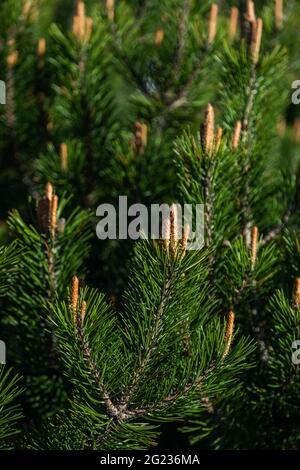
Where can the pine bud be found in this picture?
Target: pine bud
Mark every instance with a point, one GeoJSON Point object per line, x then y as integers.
{"type": "Point", "coordinates": [30, 9]}
{"type": "Point", "coordinates": [140, 138]}
{"type": "Point", "coordinates": [82, 25]}
{"type": "Point", "coordinates": [54, 207]}
{"type": "Point", "coordinates": [83, 311]}
{"type": "Point", "coordinates": [234, 16]}
{"type": "Point", "coordinates": [229, 333]}
{"type": "Point", "coordinates": [49, 191]}
{"type": "Point", "coordinates": [44, 208]}
{"type": "Point", "coordinates": [144, 135]}
{"type": "Point", "coordinates": [208, 129]}
{"type": "Point", "coordinates": [236, 135]}
{"type": "Point", "coordinates": [64, 157]}
{"type": "Point", "coordinates": [27, 7]}
{"type": "Point", "coordinates": [254, 237]}
{"type": "Point", "coordinates": [41, 50]}
{"type": "Point", "coordinates": [173, 240]}
{"type": "Point", "coordinates": [80, 9]}
{"type": "Point", "coordinates": [110, 8]}
{"type": "Point", "coordinates": [173, 229]}
{"type": "Point", "coordinates": [12, 59]}
{"type": "Point", "coordinates": [296, 301]}
{"type": "Point", "coordinates": [249, 24]}
{"type": "Point", "coordinates": [278, 14]}
{"type": "Point", "coordinates": [75, 27]}
{"type": "Point", "coordinates": [185, 238]}
{"type": "Point", "coordinates": [218, 138]}
{"type": "Point", "coordinates": [167, 232]}
{"type": "Point", "coordinates": [88, 27]}
{"type": "Point", "coordinates": [74, 296]}
{"type": "Point", "coordinates": [250, 14]}
{"type": "Point", "coordinates": [81, 18]}
{"type": "Point", "coordinates": [47, 211]}
{"type": "Point", "coordinates": [159, 37]}
{"type": "Point", "coordinates": [256, 43]}
{"type": "Point", "coordinates": [212, 26]}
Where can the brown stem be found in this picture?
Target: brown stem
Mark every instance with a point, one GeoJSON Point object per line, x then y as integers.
{"type": "Point", "coordinates": [275, 232]}
{"type": "Point", "coordinates": [181, 97]}
{"type": "Point", "coordinates": [246, 167]}
{"type": "Point", "coordinates": [173, 396]}
{"type": "Point", "coordinates": [139, 373]}
{"type": "Point", "coordinates": [207, 184]}
{"type": "Point", "coordinates": [112, 410]}
{"type": "Point", "coordinates": [183, 23]}
{"type": "Point", "coordinates": [249, 103]}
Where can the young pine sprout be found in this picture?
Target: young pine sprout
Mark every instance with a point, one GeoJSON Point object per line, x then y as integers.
{"type": "Point", "coordinates": [296, 300]}
{"type": "Point", "coordinates": [213, 21]}
{"type": "Point", "coordinates": [233, 22]}
{"type": "Point", "coordinates": [229, 333]}
{"type": "Point", "coordinates": [254, 237]}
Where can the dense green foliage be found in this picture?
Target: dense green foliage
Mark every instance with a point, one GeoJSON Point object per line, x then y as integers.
{"type": "Point", "coordinates": [161, 101]}
{"type": "Point", "coordinates": [10, 412]}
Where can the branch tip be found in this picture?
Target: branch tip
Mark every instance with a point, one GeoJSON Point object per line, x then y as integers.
{"type": "Point", "coordinates": [82, 24]}
{"type": "Point", "coordinates": [254, 238]}
{"type": "Point", "coordinates": [229, 333]}
{"type": "Point", "coordinates": [236, 135]}
{"type": "Point", "coordinates": [208, 129]}
{"type": "Point", "coordinates": [83, 311]}
{"type": "Point", "coordinates": [278, 14]}
{"type": "Point", "coordinates": [74, 296]}
{"type": "Point", "coordinates": [184, 239]}
{"type": "Point", "coordinates": [41, 50]}
{"type": "Point", "coordinates": [233, 22]}
{"type": "Point", "coordinates": [159, 37]}
{"type": "Point", "coordinates": [296, 300]}
{"type": "Point", "coordinates": [250, 14]}
{"type": "Point", "coordinates": [256, 41]}
{"type": "Point", "coordinates": [64, 157]}
{"type": "Point", "coordinates": [110, 8]}
{"type": "Point", "coordinates": [49, 191]}
{"type": "Point", "coordinates": [218, 139]}
{"type": "Point", "coordinates": [212, 25]}
{"type": "Point", "coordinates": [54, 206]}
{"type": "Point", "coordinates": [173, 228]}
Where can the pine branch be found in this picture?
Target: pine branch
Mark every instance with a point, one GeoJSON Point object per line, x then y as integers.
{"type": "Point", "coordinates": [46, 263]}
{"type": "Point", "coordinates": [140, 371]}
{"type": "Point", "coordinates": [121, 375]}
{"type": "Point", "coordinates": [10, 412]}
{"type": "Point", "coordinates": [277, 230]}
{"type": "Point", "coordinates": [182, 35]}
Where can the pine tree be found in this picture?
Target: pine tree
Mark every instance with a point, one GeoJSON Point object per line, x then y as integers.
{"type": "Point", "coordinates": [150, 362]}
{"type": "Point", "coordinates": [10, 412]}
{"type": "Point", "coordinates": [51, 251]}
{"type": "Point", "coordinates": [162, 101]}
{"type": "Point", "coordinates": [245, 266]}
